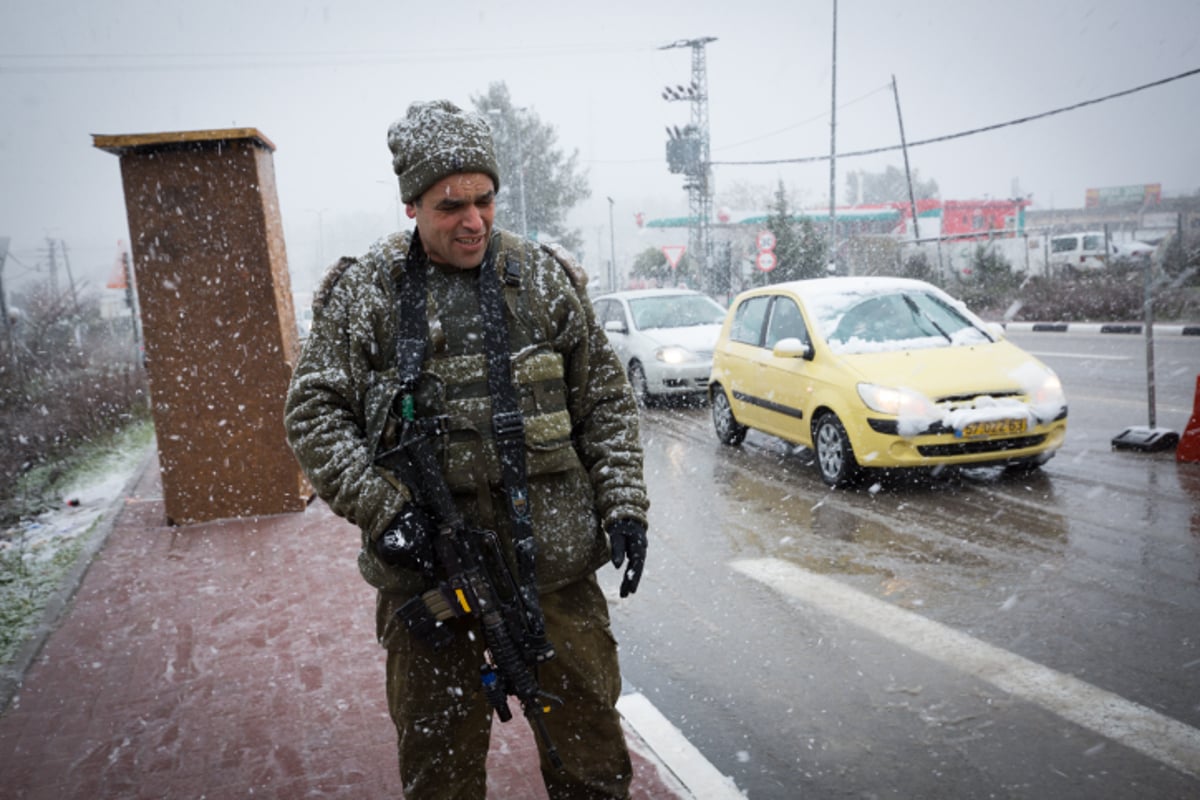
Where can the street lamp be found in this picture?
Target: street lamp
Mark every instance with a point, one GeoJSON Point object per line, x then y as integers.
{"type": "Point", "coordinates": [499, 114]}
{"type": "Point", "coordinates": [320, 212]}
{"type": "Point", "coordinates": [612, 249]}
{"type": "Point", "coordinates": [395, 185]}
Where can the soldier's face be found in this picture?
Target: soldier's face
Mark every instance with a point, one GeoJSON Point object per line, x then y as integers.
{"type": "Point", "coordinates": [454, 217]}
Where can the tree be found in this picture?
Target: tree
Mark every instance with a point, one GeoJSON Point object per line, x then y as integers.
{"type": "Point", "coordinates": [799, 251]}
{"type": "Point", "coordinates": [532, 166]}
{"type": "Point", "coordinates": [889, 186]}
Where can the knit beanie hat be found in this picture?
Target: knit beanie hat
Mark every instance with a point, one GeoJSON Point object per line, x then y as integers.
{"type": "Point", "coordinates": [436, 139]}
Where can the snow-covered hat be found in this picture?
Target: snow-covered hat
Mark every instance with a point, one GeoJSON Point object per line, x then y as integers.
{"type": "Point", "coordinates": [436, 139]}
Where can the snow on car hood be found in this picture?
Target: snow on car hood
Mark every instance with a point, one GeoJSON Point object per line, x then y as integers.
{"type": "Point", "coordinates": [987, 368]}
{"type": "Point", "coordinates": [971, 384]}
{"type": "Point", "coordinates": [698, 338]}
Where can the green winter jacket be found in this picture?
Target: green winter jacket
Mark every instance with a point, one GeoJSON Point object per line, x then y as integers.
{"type": "Point", "coordinates": [583, 455]}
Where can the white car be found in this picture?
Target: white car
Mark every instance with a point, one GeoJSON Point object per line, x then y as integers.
{"type": "Point", "coordinates": [664, 337]}
{"type": "Point", "coordinates": [1078, 252]}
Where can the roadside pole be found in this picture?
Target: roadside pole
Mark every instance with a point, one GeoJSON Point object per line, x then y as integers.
{"type": "Point", "coordinates": [1151, 439]}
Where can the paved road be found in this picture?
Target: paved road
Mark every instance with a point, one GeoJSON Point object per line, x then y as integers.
{"type": "Point", "coordinates": [975, 635]}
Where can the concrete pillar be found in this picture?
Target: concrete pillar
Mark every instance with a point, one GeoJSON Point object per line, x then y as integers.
{"type": "Point", "coordinates": [218, 323]}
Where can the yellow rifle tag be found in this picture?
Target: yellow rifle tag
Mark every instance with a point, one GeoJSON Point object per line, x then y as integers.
{"type": "Point", "coordinates": [462, 600]}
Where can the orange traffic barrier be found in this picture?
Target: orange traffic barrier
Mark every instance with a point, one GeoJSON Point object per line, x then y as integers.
{"type": "Point", "coordinates": [1189, 444]}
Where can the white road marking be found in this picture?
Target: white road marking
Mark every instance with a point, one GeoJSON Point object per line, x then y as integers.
{"type": "Point", "coordinates": [1086, 356]}
{"type": "Point", "coordinates": [1142, 729]}
{"type": "Point", "coordinates": [673, 751]}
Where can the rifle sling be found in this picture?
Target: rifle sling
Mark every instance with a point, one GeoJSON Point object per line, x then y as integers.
{"type": "Point", "coordinates": [508, 424]}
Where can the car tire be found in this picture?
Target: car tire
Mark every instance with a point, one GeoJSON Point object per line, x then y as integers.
{"type": "Point", "coordinates": [729, 430]}
{"type": "Point", "coordinates": [835, 457]}
{"type": "Point", "coordinates": [641, 389]}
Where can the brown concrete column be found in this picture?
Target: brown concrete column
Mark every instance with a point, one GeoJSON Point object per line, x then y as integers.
{"type": "Point", "coordinates": [218, 323]}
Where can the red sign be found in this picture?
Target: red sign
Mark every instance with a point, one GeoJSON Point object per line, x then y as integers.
{"type": "Point", "coordinates": [766, 261]}
{"type": "Point", "coordinates": [766, 240]}
{"type": "Point", "coordinates": [119, 278]}
{"type": "Point", "coordinates": [673, 252]}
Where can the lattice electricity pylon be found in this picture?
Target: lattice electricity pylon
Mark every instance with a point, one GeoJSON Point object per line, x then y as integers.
{"type": "Point", "coordinates": [688, 153]}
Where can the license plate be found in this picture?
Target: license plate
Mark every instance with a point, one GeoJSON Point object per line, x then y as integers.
{"type": "Point", "coordinates": [993, 427]}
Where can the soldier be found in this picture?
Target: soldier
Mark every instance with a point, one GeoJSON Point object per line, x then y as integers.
{"type": "Point", "coordinates": [581, 500]}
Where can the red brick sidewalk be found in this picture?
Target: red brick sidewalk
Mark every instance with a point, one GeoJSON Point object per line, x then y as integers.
{"type": "Point", "coordinates": [230, 659]}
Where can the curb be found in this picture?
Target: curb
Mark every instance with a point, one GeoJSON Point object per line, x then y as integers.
{"type": "Point", "coordinates": [12, 674]}
{"type": "Point", "coordinates": [1100, 327]}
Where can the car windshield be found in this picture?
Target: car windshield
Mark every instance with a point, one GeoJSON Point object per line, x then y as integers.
{"type": "Point", "coordinates": [675, 311]}
{"type": "Point", "coordinates": [895, 319]}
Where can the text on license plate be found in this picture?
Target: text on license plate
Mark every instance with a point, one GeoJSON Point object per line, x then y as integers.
{"type": "Point", "coordinates": [993, 427]}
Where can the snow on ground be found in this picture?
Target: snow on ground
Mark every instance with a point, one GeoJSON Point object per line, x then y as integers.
{"type": "Point", "coordinates": [37, 555]}
{"type": "Point", "coordinates": [87, 497]}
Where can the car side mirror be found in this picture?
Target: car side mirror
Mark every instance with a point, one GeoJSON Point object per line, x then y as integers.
{"type": "Point", "coordinates": [791, 347]}
{"type": "Point", "coordinates": [995, 330]}
{"type": "Point", "coordinates": [615, 326]}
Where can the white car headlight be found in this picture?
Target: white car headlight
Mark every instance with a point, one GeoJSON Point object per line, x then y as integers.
{"type": "Point", "coordinates": [1050, 392]}
{"type": "Point", "coordinates": [1048, 399]}
{"type": "Point", "coordinates": [897, 402]}
{"type": "Point", "coordinates": [1045, 391]}
{"type": "Point", "coordinates": [673, 354]}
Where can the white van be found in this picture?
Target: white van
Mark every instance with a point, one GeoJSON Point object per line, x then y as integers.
{"type": "Point", "coordinates": [1078, 251]}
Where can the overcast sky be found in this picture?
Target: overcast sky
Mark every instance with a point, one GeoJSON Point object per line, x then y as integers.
{"type": "Point", "coordinates": [323, 80]}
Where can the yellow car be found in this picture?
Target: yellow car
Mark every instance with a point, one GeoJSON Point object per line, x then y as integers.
{"type": "Point", "coordinates": [881, 373]}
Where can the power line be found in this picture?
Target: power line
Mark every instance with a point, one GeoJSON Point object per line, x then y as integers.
{"type": "Point", "coordinates": [887, 87]}
{"type": "Point", "coordinates": [35, 63]}
{"type": "Point", "coordinates": [973, 131]}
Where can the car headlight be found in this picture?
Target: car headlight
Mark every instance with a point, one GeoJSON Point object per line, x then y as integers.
{"type": "Point", "coordinates": [1050, 392]}
{"type": "Point", "coordinates": [897, 402]}
{"type": "Point", "coordinates": [1048, 398]}
{"type": "Point", "coordinates": [673, 354]}
{"type": "Point", "coordinates": [1043, 388]}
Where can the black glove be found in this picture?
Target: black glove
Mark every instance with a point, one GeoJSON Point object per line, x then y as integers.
{"type": "Point", "coordinates": [408, 541]}
{"type": "Point", "coordinates": [628, 536]}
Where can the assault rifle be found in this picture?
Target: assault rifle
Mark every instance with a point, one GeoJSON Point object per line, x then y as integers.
{"type": "Point", "coordinates": [478, 583]}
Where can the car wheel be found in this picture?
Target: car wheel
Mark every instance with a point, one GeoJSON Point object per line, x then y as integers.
{"type": "Point", "coordinates": [729, 430]}
{"type": "Point", "coordinates": [835, 456]}
{"type": "Point", "coordinates": [641, 391]}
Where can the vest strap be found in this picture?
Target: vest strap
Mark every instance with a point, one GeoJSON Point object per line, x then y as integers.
{"type": "Point", "coordinates": [508, 427]}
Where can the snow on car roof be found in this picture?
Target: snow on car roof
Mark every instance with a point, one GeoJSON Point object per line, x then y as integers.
{"type": "Point", "coordinates": [858, 284]}
{"type": "Point", "coordinates": [631, 294]}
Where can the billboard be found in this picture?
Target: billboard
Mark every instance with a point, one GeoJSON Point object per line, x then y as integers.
{"type": "Point", "coordinates": [1142, 194]}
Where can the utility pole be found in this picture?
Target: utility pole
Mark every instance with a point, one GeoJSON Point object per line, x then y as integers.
{"type": "Point", "coordinates": [688, 153]}
{"type": "Point", "coordinates": [833, 152]}
{"type": "Point", "coordinates": [521, 175]}
{"type": "Point", "coordinates": [514, 127]}
{"type": "Point", "coordinates": [612, 245]}
{"type": "Point", "coordinates": [131, 301]}
{"type": "Point", "coordinates": [70, 276]}
{"type": "Point", "coordinates": [8, 335]}
{"type": "Point", "coordinates": [912, 200]}
{"type": "Point", "coordinates": [53, 269]}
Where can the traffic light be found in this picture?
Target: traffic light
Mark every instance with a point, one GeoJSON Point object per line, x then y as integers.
{"type": "Point", "coordinates": [683, 150]}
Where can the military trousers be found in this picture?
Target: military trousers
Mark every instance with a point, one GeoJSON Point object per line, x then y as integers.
{"type": "Point", "coordinates": [443, 720]}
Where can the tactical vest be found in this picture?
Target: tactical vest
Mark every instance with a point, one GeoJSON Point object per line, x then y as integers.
{"type": "Point", "coordinates": [454, 379]}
